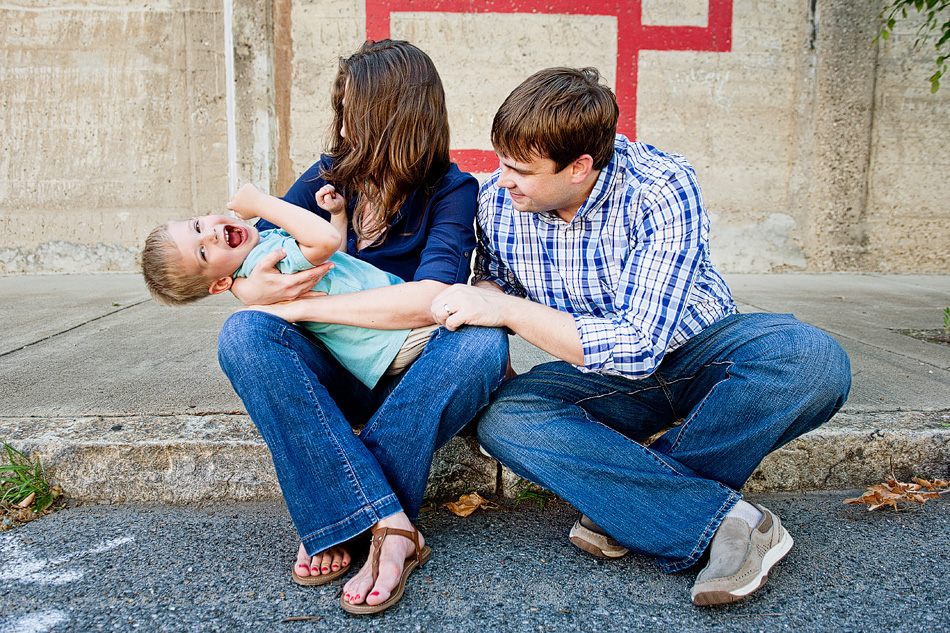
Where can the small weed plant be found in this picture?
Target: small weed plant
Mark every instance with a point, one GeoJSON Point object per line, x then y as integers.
{"type": "Point", "coordinates": [939, 336]}
{"type": "Point", "coordinates": [24, 492]}
{"type": "Point", "coordinates": [528, 493]}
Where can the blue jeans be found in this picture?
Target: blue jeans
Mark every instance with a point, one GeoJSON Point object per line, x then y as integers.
{"type": "Point", "coordinates": [337, 484]}
{"type": "Point", "coordinates": [742, 387]}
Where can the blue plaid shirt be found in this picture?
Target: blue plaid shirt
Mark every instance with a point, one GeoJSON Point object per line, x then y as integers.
{"type": "Point", "coordinates": [632, 266]}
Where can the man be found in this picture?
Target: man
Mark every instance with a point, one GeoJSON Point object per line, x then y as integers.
{"type": "Point", "coordinates": [595, 249]}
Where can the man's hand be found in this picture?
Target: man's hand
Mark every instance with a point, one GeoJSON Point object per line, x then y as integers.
{"type": "Point", "coordinates": [486, 304]}
{"type": "Point", "coordinates": [246, 202]}
{"type": "Point", "coordinates": [266, 285]}
{"type": "Point", "coordinates": [460, 305]}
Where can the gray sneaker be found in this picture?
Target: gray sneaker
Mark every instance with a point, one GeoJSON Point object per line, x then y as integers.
{"type": "Point", "coordinates": [589, 536]}
{"type": "Point", "coordinates": [740, 559]}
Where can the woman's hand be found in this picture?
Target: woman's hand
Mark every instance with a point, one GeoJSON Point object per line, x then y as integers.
{"type": "Point", "coordinates": [266, 285]}
{"type": "Point", "coordinates": [290, 311]}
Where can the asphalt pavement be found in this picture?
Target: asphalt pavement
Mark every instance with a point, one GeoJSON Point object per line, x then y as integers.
{"type": "Point", "coordinates": [227, 568]}
{"type": "Point", "coordinates": [123, 401]}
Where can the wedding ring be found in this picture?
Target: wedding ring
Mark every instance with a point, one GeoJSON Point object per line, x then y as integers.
{"type": "Point", "coordinates": [447, 311]}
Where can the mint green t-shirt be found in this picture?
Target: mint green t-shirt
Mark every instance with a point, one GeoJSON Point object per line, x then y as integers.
{"type": "Point", "coordinates": [365, 353]}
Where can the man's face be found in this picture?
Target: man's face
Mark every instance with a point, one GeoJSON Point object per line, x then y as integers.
{"type": "Point", "coordinates": [213, 246]}
{"type": "Point", "coordinates": [535, 186]}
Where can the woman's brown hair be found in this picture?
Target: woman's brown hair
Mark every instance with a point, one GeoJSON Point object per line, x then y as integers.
{"type": "Point", "coordinates": [397, 130]}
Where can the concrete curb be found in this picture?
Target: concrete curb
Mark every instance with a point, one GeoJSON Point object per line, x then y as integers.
{"type": "Point", "coordinates": [98, 382]}
{"type": "Point", "coordinates": [221, 457]}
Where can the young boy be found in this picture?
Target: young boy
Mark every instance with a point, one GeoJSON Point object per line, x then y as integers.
{"type": "Point", "coordinates": [185, 260]}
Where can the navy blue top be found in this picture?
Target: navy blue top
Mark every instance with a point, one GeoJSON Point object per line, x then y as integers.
{"type": "Point", "coordinates": [428, 239]}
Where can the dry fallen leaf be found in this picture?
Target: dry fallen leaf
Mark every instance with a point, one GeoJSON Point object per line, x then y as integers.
{"type": "Point", "coordinates": [26, 502]}
{"type": "Point", "coordinates": [892, 491]}
{"type": "Point", "coordinates": [467, 504]}
{"type": "Point", "coordinates": [303, 618]}
{"type": "Point", "coordinates": [931, 485]}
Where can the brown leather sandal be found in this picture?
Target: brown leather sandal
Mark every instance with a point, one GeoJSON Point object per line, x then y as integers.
{"type": "Point", "coordinates": [420, 558]}
{"type": "Point", "coordinates": [322, 579]}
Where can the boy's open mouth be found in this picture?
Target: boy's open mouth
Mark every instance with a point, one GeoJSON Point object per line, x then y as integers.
{"type": "Point", "coordinates": [236, 235]}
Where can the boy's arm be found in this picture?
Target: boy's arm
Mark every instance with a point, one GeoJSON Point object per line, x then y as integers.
{"type": "Point", "coordinates": [317, 238]}
{"type": "Point", "coordinates": [333, 203]}
{"type": "Point", "coordinates": [340, 222]}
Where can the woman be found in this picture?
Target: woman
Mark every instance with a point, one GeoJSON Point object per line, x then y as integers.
{"type": "Point", "coordinates": [411, 214]}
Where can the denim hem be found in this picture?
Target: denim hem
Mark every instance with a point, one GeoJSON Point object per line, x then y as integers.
{"type": "Point", "coordinates": [353, 525]}
{"type": "Point", "coordinates": [706, 538]}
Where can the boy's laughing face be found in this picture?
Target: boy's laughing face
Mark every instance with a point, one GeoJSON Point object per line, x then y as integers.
{"type": "Point", "coordinates": [213, 246]}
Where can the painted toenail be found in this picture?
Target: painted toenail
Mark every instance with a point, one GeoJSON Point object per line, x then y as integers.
{"type": "Point", "coordinates": [375, 593]}
{"type": "Point", "coordinates": [326, 569]}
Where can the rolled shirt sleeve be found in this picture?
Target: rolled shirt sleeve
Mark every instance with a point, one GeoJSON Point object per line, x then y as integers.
{"type": "Point", "coordinates": [447, 254]}
{"type": "Point", "coordinates": [655, 283]}
{"type": "Point", "coordinates": [632, 267]}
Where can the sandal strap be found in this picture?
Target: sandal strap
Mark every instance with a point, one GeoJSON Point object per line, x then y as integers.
{"type": "Point", "coordinates": [380, 534]}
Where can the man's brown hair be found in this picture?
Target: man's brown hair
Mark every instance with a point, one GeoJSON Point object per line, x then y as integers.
{"type": "Point", "coordinates": [560, 114]}
{"type": "Point", "coordinates": [397, 129]}
{"type": "Point", "coordinates": [164, 277]}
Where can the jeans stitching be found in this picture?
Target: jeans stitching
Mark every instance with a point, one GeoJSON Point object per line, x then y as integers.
{"type": "Point", "coordinates": [318, 410]}
{"type": "Point", "coordinates": [666, 391]}
{"type": "Point", "coordinates": [538, 378]}
{"type": "Point", "coordinates": [656, 455]}
{"type": "Point", "coordinates": [696, 411]}
{"type": "Point", "coordinates": [615, 392]}
{"type": "Point", "coordinates": [376, 418]}
{"type": "Point", "coordinates": [363, 510]}
{"type": "Point", "coordinates": [707, 535]}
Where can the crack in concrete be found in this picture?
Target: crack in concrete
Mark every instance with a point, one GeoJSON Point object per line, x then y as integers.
{"type": "Point", "coordinates": [856, 340]}
{"type": "Point", "coordinates": [75, 327]}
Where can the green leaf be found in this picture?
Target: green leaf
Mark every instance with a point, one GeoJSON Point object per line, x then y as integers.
{"type": "Point", "coordinates": [22, 477]}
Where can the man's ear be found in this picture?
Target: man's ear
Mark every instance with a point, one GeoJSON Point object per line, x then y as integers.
{"type": "Point", "coordinates": [581, 168]}
{"type": "Point", "coordinates": [220, 285]}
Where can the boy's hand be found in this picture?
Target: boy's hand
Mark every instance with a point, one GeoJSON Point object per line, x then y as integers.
{"type": "Point", "coordinates": [329, 200]}
{"type": "Point", "coordinates": [246, 202]}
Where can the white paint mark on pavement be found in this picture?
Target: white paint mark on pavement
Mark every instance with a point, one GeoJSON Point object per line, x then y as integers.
{"type": "Point", "coordinates": [19, 564]}
{"type": "Point", "coordinates": [35, 622]}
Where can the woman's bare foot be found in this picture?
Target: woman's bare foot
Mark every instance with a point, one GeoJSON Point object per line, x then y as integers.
{"type": "Point", "coordinates": [326, 562]}
{"type": "Point", "coordinates": [396, 549]}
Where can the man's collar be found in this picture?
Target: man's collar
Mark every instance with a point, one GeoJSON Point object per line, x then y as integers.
{"type": "Point", "coordinates": [601, 190]}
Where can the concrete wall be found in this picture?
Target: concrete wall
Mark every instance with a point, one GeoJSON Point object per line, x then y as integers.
{"type": "Point", "coordinates": [113, 120]}
{"type": "Point", "coordinates": [816, 150]}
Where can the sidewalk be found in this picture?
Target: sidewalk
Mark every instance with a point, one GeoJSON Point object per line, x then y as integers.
{"type": "Point", "coordinates": [123, 399]}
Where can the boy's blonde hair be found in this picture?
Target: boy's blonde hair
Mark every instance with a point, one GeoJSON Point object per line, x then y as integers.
{"type": "Point", "coordinates": [164, 276]}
